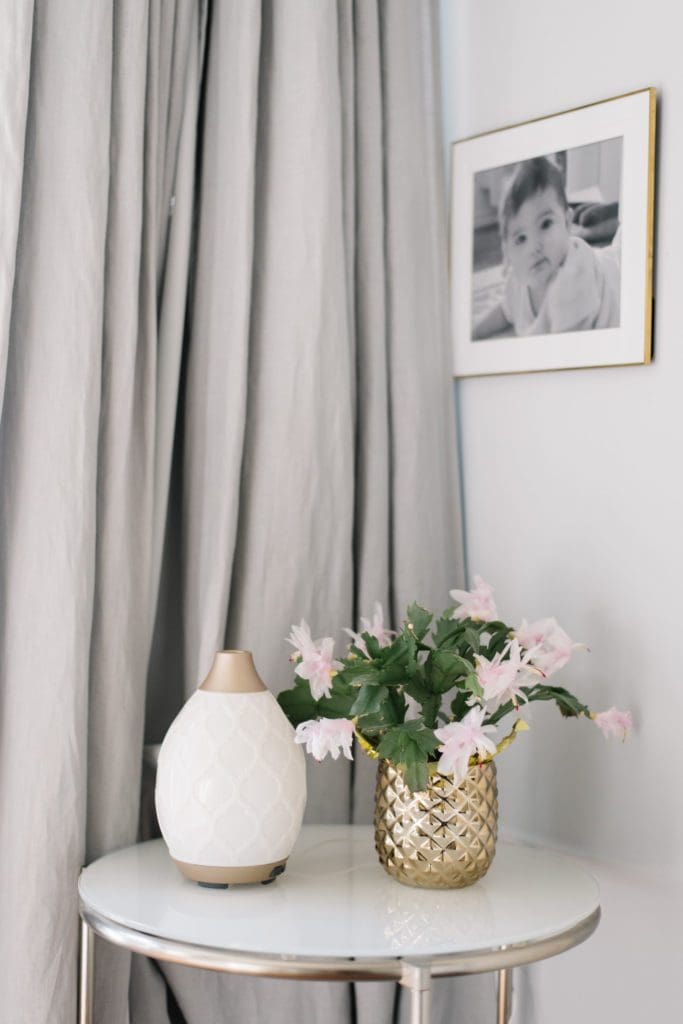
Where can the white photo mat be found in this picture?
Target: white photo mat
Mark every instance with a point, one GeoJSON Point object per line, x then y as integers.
{"type": "Point", "coordinates": [631, 117]}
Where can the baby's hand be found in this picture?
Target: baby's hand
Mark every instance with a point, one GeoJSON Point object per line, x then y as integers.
{"type": "Point", "coordinates": [595, 222]}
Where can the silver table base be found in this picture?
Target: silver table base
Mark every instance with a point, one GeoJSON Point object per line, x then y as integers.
{"type": "Point", "coordinates": [414, 974]}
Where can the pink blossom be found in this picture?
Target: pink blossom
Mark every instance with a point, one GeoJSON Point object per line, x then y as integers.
{"type": "Point", "coordinates": [326, 736]}
{"type": "Point", "coordinates": [476, 604]}
{"type": "Point", "coordinates": [316, 664]}
{"type": "Point", "coordinates": [358, 642]}
{"type": "Point", "coordinates": [502, 677]}
{"type": "Point", "coordinates": [549, 646]}
{"type": "Point", "coordinates": [375, 627]}
{"type": "Point", "coordinates": [461, 740]}
{"type": "Point", "coordinates": [614, 723]}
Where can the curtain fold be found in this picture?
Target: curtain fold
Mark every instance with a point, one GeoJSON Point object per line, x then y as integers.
{"type": "Point", "coordinates": [218, 354]}
{"type": "Point", "coordinates": [48, 467]}
{"type": "Point", "coordinates": [15, 65]}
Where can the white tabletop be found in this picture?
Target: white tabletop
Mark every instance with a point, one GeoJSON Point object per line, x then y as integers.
{"type": "Point", "coordinates": [335, 900]}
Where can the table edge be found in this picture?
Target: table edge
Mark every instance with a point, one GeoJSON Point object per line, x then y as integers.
{"type": "Point", "coordinates": [335, 968]}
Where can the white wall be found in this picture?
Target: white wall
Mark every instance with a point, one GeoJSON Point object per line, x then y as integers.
{"type": "Point", "coordinates": [573, 490]}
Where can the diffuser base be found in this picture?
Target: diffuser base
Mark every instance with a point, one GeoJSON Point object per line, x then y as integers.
{"type": "Point", "coordinates": [216, 877]}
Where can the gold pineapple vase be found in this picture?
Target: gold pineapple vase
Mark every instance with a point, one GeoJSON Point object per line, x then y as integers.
{"type": "Point", "coordinates": [443, 837]}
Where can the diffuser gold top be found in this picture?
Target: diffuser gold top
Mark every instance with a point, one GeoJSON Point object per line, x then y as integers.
{"type": "Point", "coordinates": [233, 672]}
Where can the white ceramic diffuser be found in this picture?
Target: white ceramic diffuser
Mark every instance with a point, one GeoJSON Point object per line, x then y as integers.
{"type": "Point", "coordinates": [231, 782]}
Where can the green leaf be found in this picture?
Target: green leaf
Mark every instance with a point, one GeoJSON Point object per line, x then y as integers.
{"type": "Point", "coordinates": [398, 652]}
{"type": "Point", "coordinates": [298, 703]}
{"type": "Point", "coordinates": [425, 740]}
{"type": "Point", "coordinates": [392, 746]}
{"type": "Point", "coordinates": [369, 699]}
{"type": "Point", "coordinates": [338, 704]}
{"type": "Point", "coordinates": [444, 668]}
{"type": "Point", "coordinates": [357, 671]}
{"type": "Point", "coordinates": [404, 737]}
{"type": "Point", "coordinates": [496, 645]}
{"type": "Point", "coordinates": [429, 702]}
{"type": "Point", "coordinates": [420, 619]}
{"type": "Point", "coordinates": [501, 712]}
{"type": "Point", "coordinates": [459, 706]}
{"type": "Point", "coordinates": [408, 746]}
{"type": "Point", "coordinates": [393, 675]}
{"type": "Point", "coordinates": [473, 685]}
{"type": "Point", "coordinates": [411, 649]}
{"type": "Point", "coordinates": [499, 635]}
{"type": "Point", "coordinates": [569, 705]}
{"type": "Point", "coordinates": [416, 775]}
{"type": "Point", "coordinates": [472, 639]}
{"type": "Point", "coordinates": [430, 711]}
{"type": "Point", "coordinates": [497, 626]}
{"type": "Point", "coordinates": [446, 632]}
{"type": "Point", "coordinates": [391, 712]}
{"type": "Point", "coordinates": [393, 709]}
{"type": "Point", "coordinates": [372, 644]}
{"type": "Point", "coordinates": [397, 702]}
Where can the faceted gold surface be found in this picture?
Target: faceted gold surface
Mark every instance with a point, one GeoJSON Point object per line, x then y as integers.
{"type": "Point", "coordinates": [443, 837]}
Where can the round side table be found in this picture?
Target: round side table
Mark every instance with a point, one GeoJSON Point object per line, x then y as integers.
{"type": "Point", "coordinates": [336, 915]}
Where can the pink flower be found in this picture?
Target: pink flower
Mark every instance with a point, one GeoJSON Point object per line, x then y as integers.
{"type": "Point", "coordinates": [461, 740]}
{"type": "Point", "coordinates": [614, 723]}
{"type": "Point", "coordinates": [501, 680]}
{"type": "Point", "coordinates": [326, 736]}
{"type": "Point", "coordinates": [375, 627]}
{"type": "Point", "coordinates": [549, 646]}
{"type": "Point", "coordinates": [476, 604]}
{"type": "Point", "coordinates": [316, 664]}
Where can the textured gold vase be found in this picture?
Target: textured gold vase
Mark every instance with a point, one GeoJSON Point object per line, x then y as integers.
{"type": "Point", "coordinates": [443, 837]}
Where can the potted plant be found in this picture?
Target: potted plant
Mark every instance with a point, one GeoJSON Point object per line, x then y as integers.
{"type": "Point", "coordinates": [429, 702]}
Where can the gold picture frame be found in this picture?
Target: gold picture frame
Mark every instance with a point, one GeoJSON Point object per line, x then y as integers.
{"type": "Point", "coordinates": [551, 241]}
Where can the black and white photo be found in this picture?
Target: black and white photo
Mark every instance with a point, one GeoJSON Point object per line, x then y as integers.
{"type": "Point", "coordinates": [551, 235]}
{"type": "Point", "coordinates": [546, 243]}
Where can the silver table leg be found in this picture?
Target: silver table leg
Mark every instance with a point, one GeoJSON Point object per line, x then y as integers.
{"type": "Point", "coordinates": [85, 975]}
{"type": "Point", "coordinates": [504, 995]}
{"type": "Point", "coordinates": [417, 976]}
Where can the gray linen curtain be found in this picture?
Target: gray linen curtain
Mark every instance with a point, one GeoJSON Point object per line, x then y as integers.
{"type": "Point", "coordinates": [283, 426]}
{"type": "Point", "coordinates": [99, 112]}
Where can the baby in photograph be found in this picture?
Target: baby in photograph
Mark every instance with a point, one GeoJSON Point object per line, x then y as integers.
{"type": "Point", "coordinates": [556, 281]}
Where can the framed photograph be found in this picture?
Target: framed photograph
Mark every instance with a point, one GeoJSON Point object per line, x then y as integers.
{"type": "Point", "coordinates": [551, 241]}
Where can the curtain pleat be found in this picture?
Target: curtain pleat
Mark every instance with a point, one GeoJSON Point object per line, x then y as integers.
{"type": "Point", "coordinates": [16, 17]}
{"type": "Point", "coordinates": [154, 112]}
{"type": "Point", "coordinates": [422, 424]}
{"type": "Point", "coordinates": [218, 357]}
{"type": "Point", "coordinates": [293, 552]}
{"type": "Point", "coordinates": [48, 468]}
